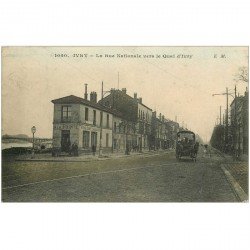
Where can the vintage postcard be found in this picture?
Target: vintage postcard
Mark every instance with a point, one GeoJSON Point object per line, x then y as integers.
{"type": "Point", "coordinates": [125, 124]}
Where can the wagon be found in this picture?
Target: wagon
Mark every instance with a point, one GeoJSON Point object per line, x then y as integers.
{"type": "Point", "coordinates": [186, 145]}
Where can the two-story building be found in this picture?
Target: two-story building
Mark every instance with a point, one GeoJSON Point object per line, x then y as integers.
{"type": "Point", "coordinates": [82, 121]}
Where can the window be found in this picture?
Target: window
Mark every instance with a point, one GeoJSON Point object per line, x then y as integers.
{"type": "Point", "coordinates": [107, 140]}
{"type": "Point", "coordinates": [66, 113]}
{"type": "Point", "coordinates": [85, 141]}
{"type": "Point", "coordinates": [94, 117]}
{"type": "Point", "coordinates": [107, 120]}
{"type": "Point", "coordinates": [86, 114]}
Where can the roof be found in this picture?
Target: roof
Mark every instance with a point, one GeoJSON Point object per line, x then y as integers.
{"type": "Point", "coordinates": [72, 99]}
{"type": "Point", "coordinates": [239, 99]}
{"type": "Point", "coordinates": [118, 90]}
{"type": "Point", "coordinates": [186, 131]}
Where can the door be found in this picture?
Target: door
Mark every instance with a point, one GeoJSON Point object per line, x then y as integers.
{"type": "Point", "coordinates": [93, 139]}
{"type": "Point", "coordinates": [65, 140]}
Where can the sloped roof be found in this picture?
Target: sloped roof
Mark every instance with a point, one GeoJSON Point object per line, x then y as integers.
{"type": "Point", "coordinates": [72, 99]}
{"type": "Point", "coordinates": [130, 97]}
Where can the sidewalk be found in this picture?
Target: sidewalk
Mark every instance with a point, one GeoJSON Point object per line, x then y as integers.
{"type": "Point", "coordinates": [236, 172]}
{"type": "Point", "coordinates": [239, 171]}
{"type": "Point", "coordinates": [89, 157]}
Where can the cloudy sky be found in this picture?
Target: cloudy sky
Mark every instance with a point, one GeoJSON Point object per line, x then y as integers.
{"type": "Point", "coordinates": [179, 82]}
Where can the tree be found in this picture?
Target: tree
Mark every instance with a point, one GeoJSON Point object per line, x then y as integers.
{"type": "Point", "coordinates": [242, 75]}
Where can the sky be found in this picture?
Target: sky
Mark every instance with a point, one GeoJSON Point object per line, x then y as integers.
{"type": "Point", "coordinates": [174, 81]}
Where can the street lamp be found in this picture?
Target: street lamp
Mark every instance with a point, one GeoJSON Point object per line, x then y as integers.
{"type": "Point", "coordinates": [33, 130]}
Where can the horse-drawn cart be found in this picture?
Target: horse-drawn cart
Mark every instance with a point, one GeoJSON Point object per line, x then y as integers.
{"type": "Point", "coordinates": [186, 145]}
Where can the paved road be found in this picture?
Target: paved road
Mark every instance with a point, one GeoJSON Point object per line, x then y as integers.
{"type": "Point", "coordinates": [155, 178]}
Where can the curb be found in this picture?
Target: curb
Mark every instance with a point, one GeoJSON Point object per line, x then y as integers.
{"type": "Point", "coordinates": [239, 192]}
{"type": "Point", "coordinates": [92, 159]}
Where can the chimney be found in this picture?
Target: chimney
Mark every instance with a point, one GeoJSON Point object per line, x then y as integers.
{"type": "Point", "coordinates": [93, 97]}
{"type": "Point", "coordinates": [160, 116]}
{"type": "Point", "coordinates": [86, 92]}
{"type": "Point", "coordinates": [124, 90]}
{"type": "Point", "coordinates": [140, 100]}
{"type": "Point", "coordinates": [135, 96]}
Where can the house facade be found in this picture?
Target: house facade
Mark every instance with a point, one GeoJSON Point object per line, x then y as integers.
{"type": "Point", "coordinates": [81, 121]}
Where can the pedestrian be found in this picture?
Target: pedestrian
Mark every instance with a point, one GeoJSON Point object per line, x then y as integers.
{"type": "Point", "coordinates": [75, 148]}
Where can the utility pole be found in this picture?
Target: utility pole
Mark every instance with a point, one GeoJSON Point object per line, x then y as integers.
{"type": "Point", "coordinates": [217, 121]}
{"type": "Point", "coordinates": [226, 115]}
{"type": "Point", "coordinates": [235, 123]}
{"type": "Point", "coordinates": [226, 139]}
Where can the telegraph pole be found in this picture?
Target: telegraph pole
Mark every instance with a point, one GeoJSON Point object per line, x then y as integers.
{"type": "Point", "coordinates": [235, 122]}
{"type": "Point", "coordinates": [226, 115]}
{"type": "Point", "coordinates": [226, 139]}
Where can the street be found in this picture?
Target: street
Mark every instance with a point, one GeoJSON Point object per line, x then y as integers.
{"type": "Point", "coordinates": [138, 178]}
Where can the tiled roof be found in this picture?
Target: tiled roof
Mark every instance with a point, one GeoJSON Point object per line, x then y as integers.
{"type": "Point", "coordinates": [71, 99]}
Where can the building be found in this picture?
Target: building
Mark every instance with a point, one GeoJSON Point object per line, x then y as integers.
{"type": "Point", "coordinates": [117, 123]}
{"type": "Point", "coordinates": [84, 122]}
{"type": "Point", "coordinates": [239, 123]}
{"type": "Point", "coordinates": [172, 129]}
{"type": "Point", "coordinates": [136, 117]}
{"type": "Point", "coordinates": [164, 132]}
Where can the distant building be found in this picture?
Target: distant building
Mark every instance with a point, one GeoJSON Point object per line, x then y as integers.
{"type": "Point", "coordinates": [164, 132]}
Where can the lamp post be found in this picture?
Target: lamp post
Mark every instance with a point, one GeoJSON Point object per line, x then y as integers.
{"type": "Point", "coordinates": [33, 130]}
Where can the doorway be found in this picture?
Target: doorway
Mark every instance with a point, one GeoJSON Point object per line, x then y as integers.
{"type": "Point", "coordinates": [94, 139]}
{"type": "Point", "coordinates": [65, 141]}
